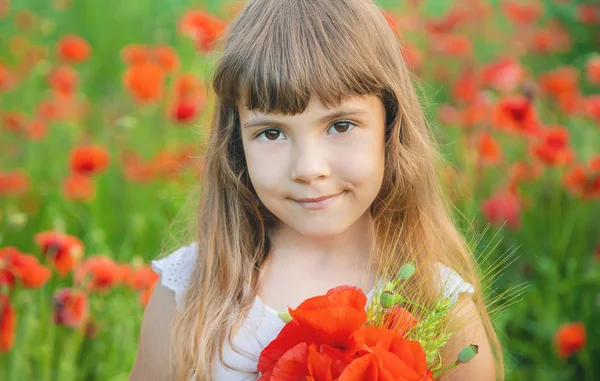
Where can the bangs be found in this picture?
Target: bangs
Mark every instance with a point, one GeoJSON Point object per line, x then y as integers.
{"type": "Point", "coordinates": [279, 54]}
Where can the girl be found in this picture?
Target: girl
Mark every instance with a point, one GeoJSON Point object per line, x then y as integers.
{"type": "Point", "coordinates": [319, 171]}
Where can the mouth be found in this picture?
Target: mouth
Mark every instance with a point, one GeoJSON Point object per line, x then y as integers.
{"type": "Point", "coordinates": [318, 202]}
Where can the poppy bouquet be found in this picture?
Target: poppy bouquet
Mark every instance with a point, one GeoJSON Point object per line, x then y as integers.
{"type": "Point", "coordinates": [336, 337]}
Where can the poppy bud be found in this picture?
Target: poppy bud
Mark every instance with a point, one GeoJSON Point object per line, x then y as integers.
{"type": "Point", "coordinates": [389, 299]}
{"type": "Point", "coordinates": [407, 270]}
{"type": "Point", "coordinates": [467, 354]}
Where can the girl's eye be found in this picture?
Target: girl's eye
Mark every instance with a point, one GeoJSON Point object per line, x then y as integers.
{"type": "Point", "coordinates": [270, 134]}
{"type": "Point", "coordinates": [342, 127]}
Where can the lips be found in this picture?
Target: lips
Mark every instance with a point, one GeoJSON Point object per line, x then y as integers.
{"type": "Point", "coordinates": [317, 199]}
{"type": "Point", "coordinates": [317, 203]}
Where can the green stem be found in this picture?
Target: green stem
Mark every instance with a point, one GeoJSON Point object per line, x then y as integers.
{"type": "Point", "coordinates": [445, 369]}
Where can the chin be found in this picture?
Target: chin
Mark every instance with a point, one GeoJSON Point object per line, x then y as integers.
{"type": "Point", "coordinates": [320, 229]}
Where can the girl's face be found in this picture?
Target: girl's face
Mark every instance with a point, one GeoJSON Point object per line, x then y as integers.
{"type": "Point", "coordinates": [318, 171]}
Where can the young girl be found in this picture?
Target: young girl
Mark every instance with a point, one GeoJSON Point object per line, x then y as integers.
{"type": "Point", "coordinates": [319, 171]}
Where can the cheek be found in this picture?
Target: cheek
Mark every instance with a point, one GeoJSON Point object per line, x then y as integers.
{"type": "Point", "coordinates": [363, 165]}
{"type": "Point", "coordinates": [265, 173]}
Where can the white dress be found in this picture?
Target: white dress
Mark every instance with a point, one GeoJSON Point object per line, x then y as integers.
{"type": "Point", "coordinates": [263, 323]}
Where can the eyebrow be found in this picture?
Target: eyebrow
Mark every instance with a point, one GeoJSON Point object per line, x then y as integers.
{"type": "Point", "coordinates": [266, 122]}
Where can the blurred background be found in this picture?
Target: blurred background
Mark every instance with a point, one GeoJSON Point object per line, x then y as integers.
{"type": "Point", "coordinates": [104, 110]}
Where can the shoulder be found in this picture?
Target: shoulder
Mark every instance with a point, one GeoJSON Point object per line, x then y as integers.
{"type": "Point", "coordinates": [451, 283]}
{"type": "Point", "coordinates": [175, 269]}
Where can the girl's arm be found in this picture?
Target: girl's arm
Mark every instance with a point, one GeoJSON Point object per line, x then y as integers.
{"type": "Point", "coordinates": [482, 367]}
{"type": "Point", "coordinates": [152, 360]}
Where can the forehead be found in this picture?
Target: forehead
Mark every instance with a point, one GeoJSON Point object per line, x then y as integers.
{"type": "Point", "coordinates": [315, 107]}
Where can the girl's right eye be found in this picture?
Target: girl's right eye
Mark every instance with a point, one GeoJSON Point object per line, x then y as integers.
{"type": "Point", "coordinates": [270, 134]}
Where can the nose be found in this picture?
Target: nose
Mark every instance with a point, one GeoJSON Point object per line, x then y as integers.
{"type": "Point", "coordinates": [309, 163]}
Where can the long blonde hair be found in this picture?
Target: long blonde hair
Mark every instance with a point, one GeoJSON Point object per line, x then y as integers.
{"type": "Point", "coordinates": [277, 54]}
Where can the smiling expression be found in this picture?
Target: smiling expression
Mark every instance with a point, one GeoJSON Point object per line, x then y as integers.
{"type": "Point", "coordinates": [318, 171]}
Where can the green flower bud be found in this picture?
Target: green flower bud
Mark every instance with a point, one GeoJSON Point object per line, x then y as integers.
{"type": "Point", "coordinates": [389, 299]}
{"type": "Point", "coordinates": [286, 317]}
{"type": "Point", "coordinates": [407, 270]}
{"type": "Point", "coordinates": [467, 354]}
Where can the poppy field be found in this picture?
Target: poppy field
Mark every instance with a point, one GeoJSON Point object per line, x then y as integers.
{"type": "Point", "coordinates": [105, 110]}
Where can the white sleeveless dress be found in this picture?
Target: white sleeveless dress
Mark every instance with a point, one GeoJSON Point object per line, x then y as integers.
{"type": "Point", "coordinates": [263, 323]}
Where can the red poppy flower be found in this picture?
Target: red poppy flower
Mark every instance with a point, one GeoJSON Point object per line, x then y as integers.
{"type": "Point", "coordinates": [137, 170]}
{"type": "Point", "coordinates": [592, 71]}
{"type": "Point", "coordinates": [70, 307]}
{"type": "Point", "coordinates": [203, 27]}
{"type": "Point", "coordinates": [14, 121]}
{"type": "Point", "coordinates": [553, 149]}
{"type": "Point", "coordinates": [562, 85]}
{"type": "Point", "coordinates": [167, 57]}
{"type": "Point", "coordinates": [591, 107]}
{"type": "Point", "coordinates": [503, 75]}
{"type": "Point", "coordinates": [335, 316]}
{"type": "Point", "coordinates": [143, 278]}
{"type": "Point", "coordinates": [503, 207]}
{"type": "Point", "coordinates": [37, 129]}
{"type": "Point", "coordinates": [466, 87]}
{"type": "Point", "coordinates": [488, 149]}
{"type": "Point", "coordinates": [330, 320]}
{"type": "Point", "coordinates": [78, 187]}
{"type": "Point", "coordinates": [184, 112]}
{"type": "Point", "coordinates": [144, 81]}
{"type": "Point", "coordinates": [8, 80]}
{"type": "Point", "coordinates": [14, 183]}
{"type": "Point", "coordinates": [516, 113]}
{"type": "Point", "coordinates": [400, 320]}
{"type": "Point", "coordinates": [25, 267]}
{"type": "Point", "coordinates": [524, 171]}
{"type": "Point", "coordinates": [135, 54]}
{"type": "Point", "coordinates": [521, 13]}
{"type": "Point", "coordinates": [588, 14]}
{"type": "Point", "coordinates": [62, 250]}
{"type": "Point", "coordinates": [89, 160]}
{"type": "Point", "coordinates": [73, 48]}
{"type": "Point", "coordinates": [97, 273]}
{"type": "Point", "coordinates": [391, 358]}
{"type": "Point", "coordinates": [452, 45]}
{"type": "Point", "coordinates": [63, 79]}
{"type": "Point", "coordinates": [8, 323]}
{"type": "Point", "coordinates": [570, 338]}
{"type": "Point", "coordinates": [584, 180]}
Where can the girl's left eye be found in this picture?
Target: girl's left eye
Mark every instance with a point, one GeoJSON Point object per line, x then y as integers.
{"type": "Point", "coordinates": [342, 127]}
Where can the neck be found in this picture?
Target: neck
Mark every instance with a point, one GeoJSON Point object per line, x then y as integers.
{"type": "Point", "coordinates": [351, 246]}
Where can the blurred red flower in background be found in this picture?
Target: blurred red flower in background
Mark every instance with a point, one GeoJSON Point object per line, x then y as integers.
{"type": "Point", "coordinates": [73, 48]}
{"type": "Point", "coordinates": [516, 113]}
{"type": "Point", "coordinates": [553, 149]}
{"type": "Point", "coordinates": [25, 267]}
{"type": "Point", "coordinates": [592, 70]}
{"type": "Point", "coordinates": [89, 160]}
{"type": "Point", "coordinates": [503, 206]}
{"type": "Point", "coordinates": [63, 79]}
{"type": "Point", "coordinates": [144, 81]}
{"type": "Point", "coordinates": [570, 338]}
{"type": "Point", "coordinates": [14, 183]}
{"type": "Point", "coordinates": [203, 27]}
{"type": "Point", "coordinates": [63, 251]}
{"type": "Point", "coordinates": [70, 307]}
{"type": "Point", "coordinates": [522, 13]}
{"type": "Point", "coordinates": [97, 273]}
{"type": "Point", "coordinates": [8, 324]}
{"type": "Point", "coordinates": [78, 187]}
